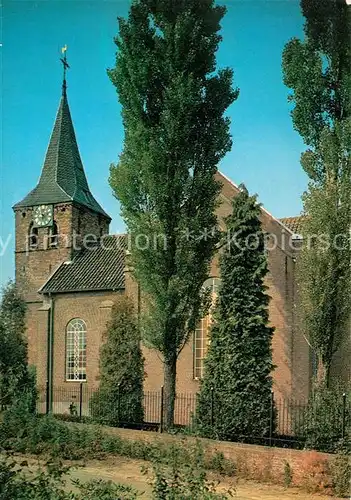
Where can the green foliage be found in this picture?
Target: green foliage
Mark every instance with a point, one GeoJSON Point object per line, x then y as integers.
{"type": "Point", "coordinates": [120, 396]}
{"type": "Point", "coordinates": [317, 70]}
{"type": "Point", "coordinates": [323, 266]}
{"type": "Point", "coordinates": [181, 465]}
{"type": "Point", "coordinates": [181, 480]}
{"type": "Point", "coordinates": [341, 475]}
{"type": "Point", "coordinates": [15, 375]}
{"type": "Point", "coordinates": [43, 485]}
{"type": "Point", "coordinates": [178, 473]}
{"type": "Point", "coordinates": [49, 484]}
{"type": "Point", "coordinates": [288, 474]}
{"type": "Point", "coordinates": [220, 464]}
{"type": "Point", "coordinates": [173, 105]}
{"type": "Point", "coordinates": [321, 423]}
{"type": "Point", "coordinates": [106, 490]}
{"type": "Point", "coordinates": [71, 441]}
{"type": "Point", "coordinates": [239, 361]}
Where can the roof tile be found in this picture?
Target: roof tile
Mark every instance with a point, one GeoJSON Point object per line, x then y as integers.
{"type": "Point", "coordinates": [99, 267]}
{"type": "Point", "coordinates": [293, 223]}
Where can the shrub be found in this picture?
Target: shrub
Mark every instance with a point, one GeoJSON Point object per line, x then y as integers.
{"type": "Point", "coordinates": [220, 464]}
{"type": "Point", "coordinates": [288, 474]}
{"type": "Point", "coordinates": [321, 422]}
{"type": "Point", "coordinates": [106, 490]}
{"type": "Point", "coordinates": [48, 484]}
{"type": "Point", "coordinates": [179, 480]}
{"type": "Point", "coordinates": [341, 475]}
{"type": "Point", "coordinates": [120, 397]}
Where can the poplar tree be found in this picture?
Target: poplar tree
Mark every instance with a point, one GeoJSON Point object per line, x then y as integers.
{"type": "Point", "coordinates": [173, 104]}
{"type": "Point", "coordinates": [236, 391]}
{"type": "Point", "coordinates": [317, 69]}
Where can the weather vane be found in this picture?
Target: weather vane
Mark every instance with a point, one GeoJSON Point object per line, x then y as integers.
{"type": "Point", "coordinates": [65, 67]}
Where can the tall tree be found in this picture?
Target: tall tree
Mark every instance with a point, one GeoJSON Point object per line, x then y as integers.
{"type": "Point", "coordinates": [317, 70]}
{"type": "Point", "coordinates": [235, 395]}
{"type": "Point", "coordinates": [120, 395]}
{"type": "Point", "coordinates": [173, 103]}
{"type": "Point", "coordinates": [14, 375]}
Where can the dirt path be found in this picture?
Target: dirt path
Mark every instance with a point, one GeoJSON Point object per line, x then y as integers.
{"type": "Point", "coordinates": [127, 471]}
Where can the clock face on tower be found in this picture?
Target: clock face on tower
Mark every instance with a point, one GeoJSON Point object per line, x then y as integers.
{"type": "Point", "coordinates": [42, 215]}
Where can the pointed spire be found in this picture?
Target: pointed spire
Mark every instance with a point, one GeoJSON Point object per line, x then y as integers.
{"type": "Point", "coordinates": [62, 178]}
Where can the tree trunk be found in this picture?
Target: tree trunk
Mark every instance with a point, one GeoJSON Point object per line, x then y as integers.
{"type": "Point", "coordinates": [170, 371]}
{"type": "Point", "coordinates": [321, 376]}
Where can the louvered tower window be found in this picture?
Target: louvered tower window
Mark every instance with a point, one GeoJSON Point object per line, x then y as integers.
{"type": "Point", "coordinates": [53, 236]}
{"type": "Point", "coordinates": [33, 236]}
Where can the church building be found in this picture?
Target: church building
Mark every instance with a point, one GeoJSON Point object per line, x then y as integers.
{"type": "Point", "coordinates": [70, 271]}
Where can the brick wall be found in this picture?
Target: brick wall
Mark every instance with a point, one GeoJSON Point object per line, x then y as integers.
{"type": "Point", "coordinates": [34, 266]}
{"type": "Point", "coordinates": [95, 310]}
{"type": "Point", "coordinates": [290, 349]}
{"type": "Point", "coordinates": [260, 463]}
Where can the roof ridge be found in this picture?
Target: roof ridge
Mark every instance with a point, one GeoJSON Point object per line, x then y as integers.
{"type": "Point", "coordinates": [261, 206]}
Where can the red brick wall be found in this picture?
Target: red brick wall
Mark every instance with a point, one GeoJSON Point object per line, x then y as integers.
{"type": "Point", "coordinates": [252, 462]}
{"type": "Point", "coordinates": [95, 310]}
{"type": "Point", "coordinates": [290, 349]}
{"type": "Point", "coordinates": [33, 267]}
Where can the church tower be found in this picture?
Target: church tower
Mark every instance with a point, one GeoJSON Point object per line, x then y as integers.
{"type": "Point", "coordinates": [60, 214]}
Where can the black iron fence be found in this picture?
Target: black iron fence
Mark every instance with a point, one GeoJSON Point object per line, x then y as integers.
{"type": "Point", "coordinates": [293, 423]}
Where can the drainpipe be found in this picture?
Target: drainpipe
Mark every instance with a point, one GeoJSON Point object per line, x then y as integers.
{"type": "Point", "coordinates": [50, 355]}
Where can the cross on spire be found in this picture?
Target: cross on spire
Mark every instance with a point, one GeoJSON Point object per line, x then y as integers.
{"type": "Point", "coordinates": [65, 67]}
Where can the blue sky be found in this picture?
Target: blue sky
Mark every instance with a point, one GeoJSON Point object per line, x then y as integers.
{"type": "Point", "coordinates": [266, 149]}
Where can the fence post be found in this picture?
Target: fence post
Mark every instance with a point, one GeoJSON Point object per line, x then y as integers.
{"type": "Point", "coordinates": [343, 415]}
{"type": "Point", "coordinates": [80, 400]}
{"type": "Point", "coordinates": [47, 398]}
{"type": "Point", "coordinates": [212, 407]}
{"type": "Point", "coordinates": [161, 410]}
{"type": "Point", "coordinates": [118, 403]}
{"type": "Point", "coordinates": [271, 416]}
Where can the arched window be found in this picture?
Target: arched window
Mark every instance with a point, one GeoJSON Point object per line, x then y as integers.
{"type": "Point", "coordinates": [53, 236]}
{"type": "Point", "coordinates": [201, 337]}
{"type": "Point", "coordinates": [76, 350]}
{"type": "Point", "coordinates": [33, 236]}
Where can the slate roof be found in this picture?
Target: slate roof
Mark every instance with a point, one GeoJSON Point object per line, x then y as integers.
{"type": "Point", "coordinates": [293, 223]}
{"type": "Point", "coordinates": [62, 178]}
{"type": "Point", "coordinates": [99, 267]}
